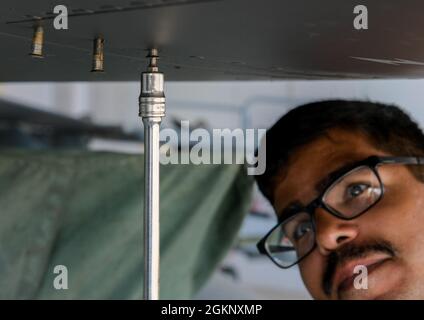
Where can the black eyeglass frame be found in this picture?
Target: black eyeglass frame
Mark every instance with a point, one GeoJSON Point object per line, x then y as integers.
{"type": "Point", "coordinates": [372, 163]}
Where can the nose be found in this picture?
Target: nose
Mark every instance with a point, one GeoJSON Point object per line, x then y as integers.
{"type": "Point", "coordinates": [332, 232]}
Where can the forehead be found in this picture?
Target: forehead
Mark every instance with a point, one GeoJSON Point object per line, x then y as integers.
{"type": "Point", "coordinates": [314, 161]}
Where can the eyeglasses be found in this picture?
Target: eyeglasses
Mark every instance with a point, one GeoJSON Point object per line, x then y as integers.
{"type": "Point", "coordinates": [349, 193]}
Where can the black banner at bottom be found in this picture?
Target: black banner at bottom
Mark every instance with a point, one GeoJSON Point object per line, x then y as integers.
{"type": "Point", "coordinates": [211, 309]}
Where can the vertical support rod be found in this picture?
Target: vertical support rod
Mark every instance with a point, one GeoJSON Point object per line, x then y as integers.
{"type": "Point", "coordinates": [152, 110]}
{"type": "Point", "coordinates": [151, 208]}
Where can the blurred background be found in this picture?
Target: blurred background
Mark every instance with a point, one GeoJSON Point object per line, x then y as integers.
{"type": "Point", "coordinates": [104, 116]}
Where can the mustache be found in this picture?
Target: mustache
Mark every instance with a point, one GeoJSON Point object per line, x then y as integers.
{"type": "Point", "coordinates": [351, 251]}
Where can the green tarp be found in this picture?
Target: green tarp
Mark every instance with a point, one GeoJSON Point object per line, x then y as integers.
{"type": "Point", "coordinates": [83, 210]}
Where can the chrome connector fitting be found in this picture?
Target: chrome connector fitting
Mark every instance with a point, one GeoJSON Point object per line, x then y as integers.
{"type": "Point", "coordinates": [152, 96]}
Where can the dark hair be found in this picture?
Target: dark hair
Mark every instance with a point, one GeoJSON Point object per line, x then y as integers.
{"type": "Point", "coordinates": [387, 127]}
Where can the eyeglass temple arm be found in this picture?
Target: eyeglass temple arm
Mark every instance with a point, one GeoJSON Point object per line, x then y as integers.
{"type": "Point", "coordinates": [402, 160]}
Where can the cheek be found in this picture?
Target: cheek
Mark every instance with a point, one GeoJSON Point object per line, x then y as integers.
{"type": "Point", "coordinates": [400, 215]}
{"type": "Point", "coordinates": [311, 271]}
{"type": "Point", "coordinates": [399, 219]}
{"type": "Point", "coordinates": [410, 220]}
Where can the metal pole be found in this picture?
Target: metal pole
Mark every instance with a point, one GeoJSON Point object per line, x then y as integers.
{"type": "Point", "coordinates": [152, 110]}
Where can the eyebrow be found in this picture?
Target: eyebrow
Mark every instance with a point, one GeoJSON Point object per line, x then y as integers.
{"type": "Point", "coordinates": [296, 206]}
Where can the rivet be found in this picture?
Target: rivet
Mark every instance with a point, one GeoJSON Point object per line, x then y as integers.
{"type": "Point", "coordinates": [98, 55]}
{"type": "Point", "coordinates": [37, 42]}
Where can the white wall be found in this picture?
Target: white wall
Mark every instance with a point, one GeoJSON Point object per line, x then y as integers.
{"type": "Point", "coordinates": [222, 104]}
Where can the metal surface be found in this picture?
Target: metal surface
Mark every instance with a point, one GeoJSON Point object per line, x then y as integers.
{"type": "Point", "coordinates": [98, 49]}
{"type": "Point", "coordinates": [216, 40]}
{"type": "Point", "coordinates": [152, 109]}
{"type": "Point", "coordinates": [37, 42]}
{"type": "Point", "coordinates": [151, 209]}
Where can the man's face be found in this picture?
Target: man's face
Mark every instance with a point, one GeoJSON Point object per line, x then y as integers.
{"type": "Point", "coordinates": [388, 239]}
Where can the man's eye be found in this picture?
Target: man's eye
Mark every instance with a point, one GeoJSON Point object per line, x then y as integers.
{"type": "Point", "coordinates": [302, 229]}
{"type": "Point", "coordinates": [356, 190]}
